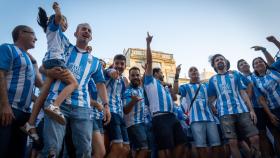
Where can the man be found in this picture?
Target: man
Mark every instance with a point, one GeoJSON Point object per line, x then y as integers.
{"type": "Point", "coordinates": [202, 122]}
{"type": "Point", "coordinates": [17, 78]}
{"type": "Point", "coordinates": [171, 140]}
{"type": "Point", "coordinates": [76, 108]}
{"type": "Point", "coordinates": [134, 108]}
{"type": "Point", "coordinates": [248, 79]}
{"type": "Point", "coordinates": [116, 83]}
{"type": "Point", "coordinates": [234, 106]}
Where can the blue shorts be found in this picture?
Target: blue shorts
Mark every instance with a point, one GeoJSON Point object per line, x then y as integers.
{"type": "Point", "coordinates": [98, 126]}
{"type": "Point", "coordinates": [49, 64]}
{"type": "Point", "coordinates": [117, 130]}
{"type": "Point", "coordinates": [205, 131]}
{"type": "Point", "coordinates": [138, 136]}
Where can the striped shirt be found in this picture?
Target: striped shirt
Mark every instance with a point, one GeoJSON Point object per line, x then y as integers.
{"type": "Point", "coordinates": [94, 95]}
{"type": "Point", "coordinates": [84, 67]}
{"type": "Point", "coordinates": [200, 110]}
{"type": "Point", "coordinates": [179, 112]}
{"type": "Point", "coordinates": [269, 86]}
{"type": "Point", "coordinates": [159, 96]}
{"type": "Point", "coordinates": [250, 79]}
{"type": "Point", "coordinates": [115, 90]}
{"type": "Point", "coordinates": [226, 87]}
{"type": "Point", "coordinates": [136, 115]}
{"type": "Point", "coordinates": [20, 76]}
{"type": "Point", "coordinates": [57, 41]}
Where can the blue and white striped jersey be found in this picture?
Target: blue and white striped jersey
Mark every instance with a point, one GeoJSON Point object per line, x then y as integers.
{"type": "Point", "coordinates": [20, 76]}
{"type": "Point", "coordinates": [159, 97]}
{"type": "Point", "coordinates": [94, 95]}
{"type": "Point", "coordinates": [226, 88]}
{"type": "Point", "coordinates": [136, 115]}
{"type": "Point", "coordinates": [269, 86]}
{"type": "Point", "coordinates": [250, 79]}
{"type": "Point", "coordinates": [200, 110]}
{"type": "Point", "coordinates": [57, 41]}
{"type": "Point", "coordinates": [84, 67]}
{"type": "Point", "coordinates": [179, 112]}
{"type": "Point", "coordinates": [115, 90]}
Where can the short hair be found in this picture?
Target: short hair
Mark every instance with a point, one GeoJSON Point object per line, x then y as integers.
{"type": "Point", "coordinates": [133, 68]}
{"type": "Point", "coordinates": [239, 61]}
{"type": "Point", "coordinates": [156, 70]}
{"type": "Point", "coordinates": [213, 60]}
{"type": "Point", "coordinates": [119, 57]}
{"type": "Point", "coordinates": [214, 57]}
{"type": "Point", "coordinates": [17, 30]}
{"type": "Point", "coordinates": [80, 25]}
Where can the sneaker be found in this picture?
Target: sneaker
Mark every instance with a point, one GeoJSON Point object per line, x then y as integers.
{"type": "Point", "coordinates": [30, 130]}
{"type": "Point", "coordinates": [54, 113]}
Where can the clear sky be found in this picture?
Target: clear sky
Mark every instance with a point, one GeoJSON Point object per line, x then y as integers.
{"type": "Point", "coordinates": [190, 29]}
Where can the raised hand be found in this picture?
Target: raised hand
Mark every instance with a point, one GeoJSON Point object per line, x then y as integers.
{"type": "Point", "coordinates": [149, 38]}
{"type": "Point", "coordinates": [259, 48]}
{"type": "Point", "coordinates": [55, 5]}
{"type": "Point", "coordinates": [178, 69]}
{"type": "Point", "coordinates": [271, 38]}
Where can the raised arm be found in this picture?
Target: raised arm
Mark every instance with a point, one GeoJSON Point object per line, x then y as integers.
{"type": "Point", "coordinates": [58, 15]}
{"type": "Point", "coordinates": [176, 79]}
{"type": "Point", "coordinates": [149, 68]}
{"type": "Point", "coordinates": [274, 40]}
{"type": "Point", "coordinates": [270, 60]}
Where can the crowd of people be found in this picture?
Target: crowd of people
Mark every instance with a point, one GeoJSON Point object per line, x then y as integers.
{"type": "Point", "coordinates": [73, 105]}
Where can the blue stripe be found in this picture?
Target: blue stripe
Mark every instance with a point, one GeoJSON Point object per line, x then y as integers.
{"type": "Point", "coordinates": [15, 76]}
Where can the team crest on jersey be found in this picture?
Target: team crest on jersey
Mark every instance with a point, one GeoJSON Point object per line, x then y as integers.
{"type": "Point", "coordinates": [75, 69]}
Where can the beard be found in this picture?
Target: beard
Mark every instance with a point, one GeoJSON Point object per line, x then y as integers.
{"type": "Point", "coordinates": [135, 83]}
{"type": "Point", "coordinates": [221, 66]}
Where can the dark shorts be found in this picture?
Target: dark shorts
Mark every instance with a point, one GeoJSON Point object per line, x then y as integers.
{"type": "Point", "coordinates": [138, 136]}
{"type": "Point", "coordinates": [235, 124]}
{"type": "Point", "coordinates": [276, 112]}
{"type": "Point", "coordinates": [98, 126]}
{"type": "Point", "coordinates": [117, 130]}
{"type": "Point", "coordinates": [168, 131]}
{"type": "Point", "coordinates": [262, 119]}
{"type": "Point", "coordinates": [49, 64]}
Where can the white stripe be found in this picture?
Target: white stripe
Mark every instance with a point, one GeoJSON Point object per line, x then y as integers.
{"type": "Point", "coordinates": [164, 95]}
{"type": "Point", "coordinates": [21, 79]}
{"type": "Point", "coordinates": [229, 104]}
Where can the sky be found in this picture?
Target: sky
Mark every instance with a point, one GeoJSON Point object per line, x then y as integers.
{"type": "Point", "coordinates": [192, 30]}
